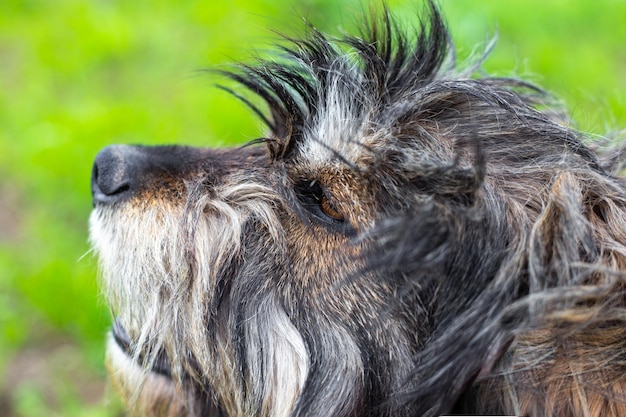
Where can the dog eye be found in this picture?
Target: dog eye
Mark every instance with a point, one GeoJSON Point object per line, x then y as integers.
{"type": "Point", "coordinates": [329, 209]}
{"type": "Point", "coordinates": [315, 199]}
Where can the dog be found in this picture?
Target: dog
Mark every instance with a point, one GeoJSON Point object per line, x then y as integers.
{"type": "Point", "coordinates": [409, 239]}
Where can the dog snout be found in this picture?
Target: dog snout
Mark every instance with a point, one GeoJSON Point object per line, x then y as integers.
{"type": "Point", "coordinates": [115, 173]}
{"type": "Point", "coordinates": [125, 172]}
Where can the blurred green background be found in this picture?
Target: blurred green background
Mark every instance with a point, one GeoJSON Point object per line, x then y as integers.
{"type": "Point", "coordinates": [78, 75]}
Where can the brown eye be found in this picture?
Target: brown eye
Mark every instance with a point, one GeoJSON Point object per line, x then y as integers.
{"type": "Point", "coordinates": [316, 202]}
{"type": "Point", "coordinates": [329, 209]}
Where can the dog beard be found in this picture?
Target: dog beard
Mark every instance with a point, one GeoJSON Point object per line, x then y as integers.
{"type": "Point", "coordinates": [193, 252]}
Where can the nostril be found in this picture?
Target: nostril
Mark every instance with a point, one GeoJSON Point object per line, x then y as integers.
{"type": "Point", "coordinates": [122, 188]}
{"type": "Point", "coordinates": [110, 183]}
{"type": "Point", "coordinates": [113, 174]}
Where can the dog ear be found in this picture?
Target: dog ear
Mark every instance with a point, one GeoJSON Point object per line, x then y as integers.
{"type": "Point", "coordinates": [452, 271]}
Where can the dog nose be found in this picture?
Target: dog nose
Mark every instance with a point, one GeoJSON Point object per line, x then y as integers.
{"type": "Point", "coordinates": [115, 173]}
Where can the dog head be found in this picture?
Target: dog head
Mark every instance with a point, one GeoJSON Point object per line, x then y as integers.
{"type": "Point", "coordinates": [373, 255]}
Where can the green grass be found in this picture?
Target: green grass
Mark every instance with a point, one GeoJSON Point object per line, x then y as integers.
{"type": "Point", "coordinates": [77, 75]}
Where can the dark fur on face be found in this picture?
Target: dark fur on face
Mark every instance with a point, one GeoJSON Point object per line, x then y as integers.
{"type": "Point", "coordinates": [412, 240]}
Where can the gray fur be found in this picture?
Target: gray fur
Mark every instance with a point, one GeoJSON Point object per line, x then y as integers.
{"type": "Point", "coordinates": [412, 240]}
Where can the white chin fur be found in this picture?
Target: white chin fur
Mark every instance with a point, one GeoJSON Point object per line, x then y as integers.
{"type": "Point", "coordinates": [145, 393]}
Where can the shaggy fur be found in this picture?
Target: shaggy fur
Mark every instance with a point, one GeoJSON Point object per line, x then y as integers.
{"type": "Point", "coordinates": [411, 240]}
